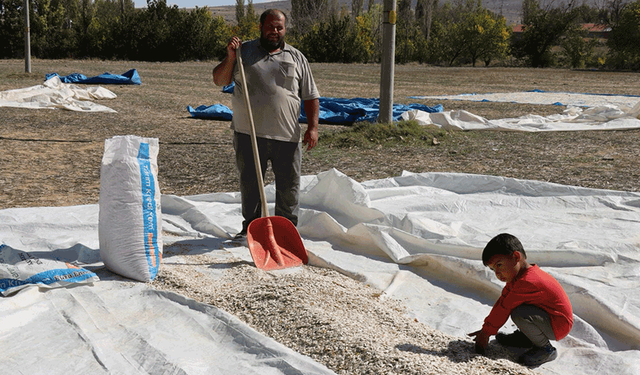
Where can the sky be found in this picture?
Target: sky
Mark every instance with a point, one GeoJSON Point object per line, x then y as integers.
{"type": "Point", "coordinates": [200, 3]}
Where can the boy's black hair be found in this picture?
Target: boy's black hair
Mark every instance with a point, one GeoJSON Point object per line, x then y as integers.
{"type": "Point", "coordinates": [502, 244]}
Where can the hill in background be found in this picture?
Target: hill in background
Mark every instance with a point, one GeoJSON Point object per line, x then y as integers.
{"type": "Point", "coordinates": [510, 9]}
{"type": "Point", "coordinates": [229, 12]}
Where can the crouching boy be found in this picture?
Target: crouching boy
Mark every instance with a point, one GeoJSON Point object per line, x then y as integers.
{"type": "Point", "coordinates": [535, 301]}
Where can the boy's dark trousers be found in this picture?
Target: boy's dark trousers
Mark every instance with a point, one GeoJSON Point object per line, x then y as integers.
{"type": "Point", "coordinates": [535, 323]}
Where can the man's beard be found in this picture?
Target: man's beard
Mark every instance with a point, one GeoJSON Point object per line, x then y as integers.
{"type": "Point", "coordinates": [271, 45]}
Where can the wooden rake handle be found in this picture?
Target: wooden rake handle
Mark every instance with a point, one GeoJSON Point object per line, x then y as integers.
{"type": "Point", "coordinates": [254, 140]}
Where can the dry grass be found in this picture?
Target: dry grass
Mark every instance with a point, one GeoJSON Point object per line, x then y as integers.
{"type": "Point", "coordinates": [52, 157]}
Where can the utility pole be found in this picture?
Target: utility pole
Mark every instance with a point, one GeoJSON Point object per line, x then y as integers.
{"type": "Point", "coordinates": [27, 38]}
{"type": "Point", "coordinates": [388, 61]}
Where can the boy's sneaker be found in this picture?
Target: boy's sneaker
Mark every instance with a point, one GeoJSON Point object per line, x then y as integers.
{"type": "Point", "coordinates": [538, 355]}
{"type": "Point", "coordinates": [516, 339]}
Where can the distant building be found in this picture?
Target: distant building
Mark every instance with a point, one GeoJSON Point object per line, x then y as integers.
{"type": "Point", "coordinates": [597, 30]}
{"type": "Point", "coordinates": [594, 30]}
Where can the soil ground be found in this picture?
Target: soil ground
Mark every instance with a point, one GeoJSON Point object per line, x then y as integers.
{"type": "Point", "coordinates": [52, 157]}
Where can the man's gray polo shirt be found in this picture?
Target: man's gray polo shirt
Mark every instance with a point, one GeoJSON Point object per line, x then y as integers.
{"type": "Point", "coordinates": [277, 83]}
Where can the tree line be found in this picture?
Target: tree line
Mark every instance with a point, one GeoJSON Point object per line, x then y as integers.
{"type": "Point", "coordinates": [111, 29]}
{"type": "Point", "coordinates": [455, 32]}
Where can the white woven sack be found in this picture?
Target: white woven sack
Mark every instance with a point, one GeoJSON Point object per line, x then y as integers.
{"type": "Point", "coordinates": [130, 224]}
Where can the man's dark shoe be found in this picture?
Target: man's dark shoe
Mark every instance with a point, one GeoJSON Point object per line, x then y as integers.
{"type": "Point", "coordinates": [242, 236]}
{"type": "Point", "coordinates": [538, 355]}
{"type": "Point", "coordinates": [516, 339]}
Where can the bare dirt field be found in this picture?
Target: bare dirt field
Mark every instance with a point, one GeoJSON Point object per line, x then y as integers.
{"type": "Point", "coordinates": [53, 157]}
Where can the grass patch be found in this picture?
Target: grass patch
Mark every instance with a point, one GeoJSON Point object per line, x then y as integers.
{"type": "Point", "coordinates": [373, 135]}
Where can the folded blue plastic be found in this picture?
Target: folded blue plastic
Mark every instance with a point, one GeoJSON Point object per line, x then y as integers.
{"type": "Point", "coordinates": [213, 112]}
{"type": "Point", "coordinates": [334, 111]}
{"type": "Point", "coordinates": [130, 77]}
{"type": "Point", "coordinates": [340, 111]}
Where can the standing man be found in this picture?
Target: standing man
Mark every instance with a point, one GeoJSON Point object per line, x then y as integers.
{"type": "Point", "coordinates": [279, 79]}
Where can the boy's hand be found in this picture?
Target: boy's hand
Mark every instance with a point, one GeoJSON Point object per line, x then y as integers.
{"type": "Point", "coordinates": [482, 341]}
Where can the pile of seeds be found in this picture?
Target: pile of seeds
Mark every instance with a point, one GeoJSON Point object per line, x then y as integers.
{"type": "Point", "coordinates": [333, 319]}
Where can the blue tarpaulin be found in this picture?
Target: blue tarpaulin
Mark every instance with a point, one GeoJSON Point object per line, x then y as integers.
{"type": "Point", "coordinates": [213, 112]}
{"type": "Point", "coordinates": [340, 111]}
{"type": "Point", "coordinates": [334, 111]}
{"type": "Point", "coordinates": [130, 77]}
{"type": "Point", "coordinates": [229, 88]}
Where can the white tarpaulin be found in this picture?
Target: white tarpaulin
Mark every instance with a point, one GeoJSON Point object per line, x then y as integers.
{"type": "Point", "coordinates": [418, 237]}
{"type": "Point", "coordinates": [55, 94]}
{"type": "Point", "coordinates": [584, 112]}
{"type": "Point", "coordinates": [569, 99]}
{"type": "Point", "coordinates": [606, 117]}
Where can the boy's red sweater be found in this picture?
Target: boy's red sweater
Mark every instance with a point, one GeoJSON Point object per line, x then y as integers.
{"type": "Point", "coordinates": [533, 287]}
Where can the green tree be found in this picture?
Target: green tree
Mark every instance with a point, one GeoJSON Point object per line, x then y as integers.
{"type": "Point", "coordinates": [587, 14]}
{"type": "Point", "coordinates": [363, 39]}
{"type": "Point", "coordinates": [338, 40]}
{"type": "Point", "coordinates": [189, 35]}
{"type": "Point", "coordinates": [372, 21]}
{"type": "Point", "coordinates": [248, 22]}
{"type": "Point", "coordinates": [577, 49]}
{"type": "Point", "coordinates": [305, 13]}
{"type": "Point", "coordinates": [613, 10]}
{"type": "Point", "coordinates": [39, 10]}
{"type": "Point", "coordinates": [624, 39]}
{"type": "Point", "coordinates": [421, 15]}
{"type": "Point", "coordinates": [150, 33]}
{"type": "Point", "coordinates": [408, 33]}
{"type": "Point", "coordinates": [112, 29]}
{"type": "Point", "coordinates": [424, 15]}
{"type": "Point", "coordinates": [101, 31]}
{"type": "Point", "coordinates": [85, 17]}
{"type": "Point", "coordinates": [60, 39]}
{"type": "Point", "coordinates": [466, 32]}
{"type": "Point", "coordinates": [543, 29]}
{"type": "Point", "coordinates": [356, 8]}
{"type": "Point", "coordinates": [218, 35]}
{"type": "Point", "coordinates": [485, 36]}
{"type": "Point", "coordinates": [442, 45]}
{"type": "Point", "coordinates": [239, 11]}
{"type": "Point", "coordinates": [11, 28]}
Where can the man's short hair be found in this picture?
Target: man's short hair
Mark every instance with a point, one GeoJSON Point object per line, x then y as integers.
{"type": "Point", "coordinates": [273, 12]}
{"type": "Point", "coordinates": [502, 244]}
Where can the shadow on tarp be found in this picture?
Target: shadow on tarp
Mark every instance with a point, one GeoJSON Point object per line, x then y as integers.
{"type": "Point", "coordinates": [77, 254]}
{"type": "Point", "coordinates": [215, 247]}
{"type": "Point", "coordinates": [459, 351]}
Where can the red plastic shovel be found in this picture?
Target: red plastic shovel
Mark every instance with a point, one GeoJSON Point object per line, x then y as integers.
{"type": "Point", "coordinates": [274, 242]}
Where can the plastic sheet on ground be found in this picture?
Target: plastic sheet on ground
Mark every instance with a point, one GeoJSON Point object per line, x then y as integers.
{"type": "Point", "coordinates": [53, 93]}
{"type": "Point", "coordinates": [417, 237]}
{"type": "Point", "coordinates": [333, 111]}
{"type": "Point", "coordinates": [544, 97]}
{"type": "Point", "coordinates": [117, 326]}
{"type": "Point", "coordinates": [603, 117]}
{"type": "Point", "coordinates": [130, 77]}
{"type": "Point", "coordinates": [212, 112]}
